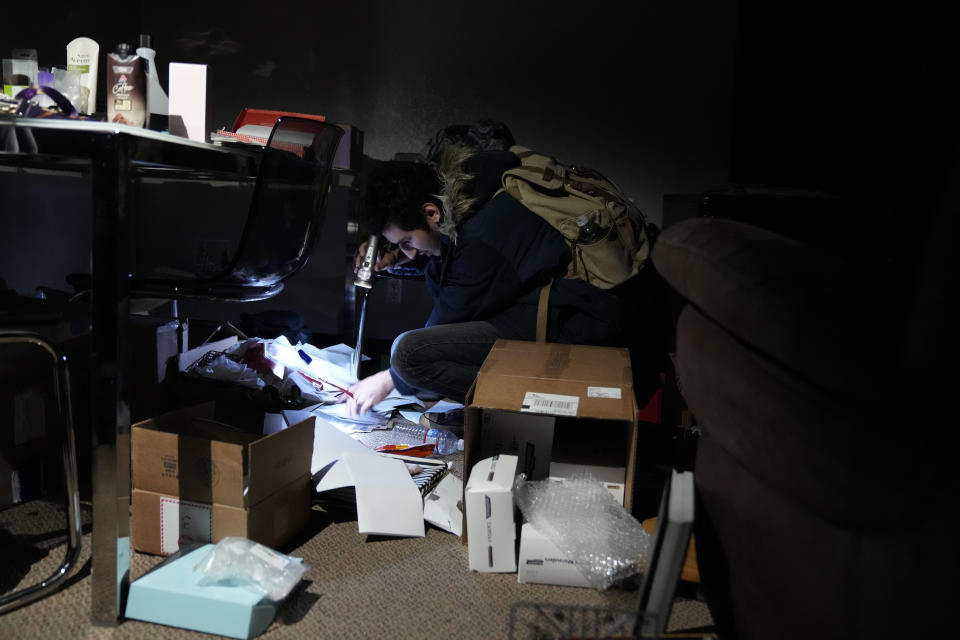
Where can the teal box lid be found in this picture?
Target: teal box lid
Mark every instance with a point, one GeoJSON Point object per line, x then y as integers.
{"type": "Point", "coordinates": [171, 595]}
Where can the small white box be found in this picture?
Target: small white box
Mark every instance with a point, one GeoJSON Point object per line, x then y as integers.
{"type": "Point", "coordinates": [612, 478]}
{"type": "Point", "coordinates": [542, 562]}
{"type": "Point", "coordinates": [188, 97]}
{"type": "Point", "coordinates": [491, 530]}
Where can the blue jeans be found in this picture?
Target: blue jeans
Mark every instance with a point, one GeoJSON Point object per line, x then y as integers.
{"type": "Point", "coordinates": [443, 359]}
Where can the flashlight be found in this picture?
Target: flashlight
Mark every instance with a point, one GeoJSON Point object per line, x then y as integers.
{"type": "Point", "coordinates": [365, 272]}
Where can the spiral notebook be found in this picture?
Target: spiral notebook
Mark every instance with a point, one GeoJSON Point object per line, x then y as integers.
{"type": "Point", "coordinates": [425, 480]}
{"type": "Point", "coordinates": [430, 477]}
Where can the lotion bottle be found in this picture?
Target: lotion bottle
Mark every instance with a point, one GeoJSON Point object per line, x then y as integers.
{"type": "Point", "coordinates": [156, 97]}
{"type": "Point", "coordinates": [83, 55]}
{"type": "Point", "coordinates": [127, 88]}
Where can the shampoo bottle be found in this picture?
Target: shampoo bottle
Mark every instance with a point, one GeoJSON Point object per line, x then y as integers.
{"type": "Point", "coordinates": [127, 88]}
{"type": "Point", "coordinates": [83, 55]}
{"type": "Point", "coordinates": [156, 97]}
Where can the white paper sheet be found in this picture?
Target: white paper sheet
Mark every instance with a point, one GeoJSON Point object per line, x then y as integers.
{"type": "Point", "coordinates": [396, 399]}
{"type": "Point", "coordinates": [388, 502]}
{"type": "Point", "coordinates": [329, 446]}
{"type": "Point", "coordinates": [332, 363]}
{"type": "Point", "coordinates": [412, 416]}
{"type": "Point", "coordinates": [441, 506]}
{"type": "Point", "coordinates": [339, 412]}
{"type": "Point", "coordinates": [442, 406]}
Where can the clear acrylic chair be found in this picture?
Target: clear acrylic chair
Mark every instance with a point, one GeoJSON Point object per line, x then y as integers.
{"type": "Point", "coordinates": [285, 216]}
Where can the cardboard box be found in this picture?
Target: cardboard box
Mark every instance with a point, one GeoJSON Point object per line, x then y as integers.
{"type": "Point", "coordinates": [199, 479]}
{"type": "Point", "coordinates": [543, 563]}
{"type": "Point", "coordinates": [527, 436]}
{"type": "Point", "coordinates": [586, 390]}
{"type": "Point", "coordinates": [489, 512]}
{"type": "Point", "coordinates": [171, 595]}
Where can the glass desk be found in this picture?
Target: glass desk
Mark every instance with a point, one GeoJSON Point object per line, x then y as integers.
{"type": "Point", "coordinates": [110, 158]}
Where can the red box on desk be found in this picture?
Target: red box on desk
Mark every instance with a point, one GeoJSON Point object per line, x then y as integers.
{"type": "Point", "coordinates": [268, 118]}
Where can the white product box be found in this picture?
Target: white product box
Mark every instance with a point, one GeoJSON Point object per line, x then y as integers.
{"type": "Point", "coordinates": [491, 529]}
{"type": "Point", "coordinates": [188, 97]}
{"type": "Point", "coordinates": [612, 478]}
{"type": "Point", "coordinates": [542, 562]}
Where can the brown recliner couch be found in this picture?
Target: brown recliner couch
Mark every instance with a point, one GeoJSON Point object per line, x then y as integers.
{"type": "Point", "coordinates": [826, 488]}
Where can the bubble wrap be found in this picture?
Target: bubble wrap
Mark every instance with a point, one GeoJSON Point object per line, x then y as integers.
{"type": "Point", "coordinates": [584, 521]}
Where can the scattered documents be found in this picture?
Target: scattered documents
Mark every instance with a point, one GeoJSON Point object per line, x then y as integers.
{"type": "Point", "coordinates": [388, 501]}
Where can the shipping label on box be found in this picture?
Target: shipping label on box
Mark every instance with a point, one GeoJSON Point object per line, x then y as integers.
{"type": "Point", "coordinates": [183, 521]}
{"type": "Point", "coordinates": [160, 524]}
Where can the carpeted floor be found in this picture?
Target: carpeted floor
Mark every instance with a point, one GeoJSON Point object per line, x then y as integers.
{"type": "Point", "coordinates": [357, 587]}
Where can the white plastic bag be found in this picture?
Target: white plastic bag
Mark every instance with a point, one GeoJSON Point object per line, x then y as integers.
{"type": "Point", "coordinates": [242, 560]}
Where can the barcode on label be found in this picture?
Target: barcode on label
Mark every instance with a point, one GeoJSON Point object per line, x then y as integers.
{"type": "Point", "coordinates": [550, 403]}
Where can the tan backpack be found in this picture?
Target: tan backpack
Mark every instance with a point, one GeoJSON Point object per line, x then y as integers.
{"type": "Point", "coordinates": [608, 235]}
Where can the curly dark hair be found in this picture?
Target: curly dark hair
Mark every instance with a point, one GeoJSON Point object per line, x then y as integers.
{"type": "Point", "coordinates": [395, 193]}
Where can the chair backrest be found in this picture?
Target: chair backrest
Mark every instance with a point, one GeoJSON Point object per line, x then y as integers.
{"type": "Point", "coordinates": [288, 202]}
{"type": "Point", "coordinates": [285, 216]}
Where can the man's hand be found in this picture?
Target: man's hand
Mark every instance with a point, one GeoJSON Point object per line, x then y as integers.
{"type": "Point", "coordinates": [368, 392]}
{"type": "Point", "coordinates": [385, 260]}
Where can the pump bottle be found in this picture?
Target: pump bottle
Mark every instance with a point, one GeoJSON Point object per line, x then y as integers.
{"type": "Point", "coordinates": [157, 102]}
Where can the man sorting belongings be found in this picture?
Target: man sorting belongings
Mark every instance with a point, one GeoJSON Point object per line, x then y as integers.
{"type": "Point", "coordinates": [485, 258]}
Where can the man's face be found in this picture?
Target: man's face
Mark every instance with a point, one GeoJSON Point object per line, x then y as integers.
{"type": "Point", "coordinates": [414, 243]}
{"type": "Point", "coordinates": [418, 241]}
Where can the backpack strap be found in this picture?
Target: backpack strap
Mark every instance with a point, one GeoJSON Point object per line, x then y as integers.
{"type": "Point", "coordinates": [543, 307]}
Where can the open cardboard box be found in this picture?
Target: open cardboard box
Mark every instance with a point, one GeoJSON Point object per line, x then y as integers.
{"type": "Point", "coordinates": [571, 405]}
{"type": "Point", "coordinates": [199, 479]}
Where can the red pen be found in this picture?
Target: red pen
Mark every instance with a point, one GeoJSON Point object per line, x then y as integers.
{"type": "Point", "coordinates": [320, 382]}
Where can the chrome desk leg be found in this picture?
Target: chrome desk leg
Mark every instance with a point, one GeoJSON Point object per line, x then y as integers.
{"type": "Point", "coordinates": [110, 305]}
{"type": "Point", "coordinates": [61, 380]}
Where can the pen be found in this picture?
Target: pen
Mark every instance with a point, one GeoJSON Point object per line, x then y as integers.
{"type": "Point", "coordinates": [319, 381]}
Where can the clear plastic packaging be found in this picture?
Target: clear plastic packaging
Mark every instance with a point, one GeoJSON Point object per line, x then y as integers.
{"type": "Point", "coordinates": [583, 519]}
{"type": "Point", "coordinates": [238, 559]}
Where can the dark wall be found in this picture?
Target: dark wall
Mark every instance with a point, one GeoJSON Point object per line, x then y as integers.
{"type": "Point", "coordinates": [639, 90]}
{"type": "Point", "coordinates": [854, 99]}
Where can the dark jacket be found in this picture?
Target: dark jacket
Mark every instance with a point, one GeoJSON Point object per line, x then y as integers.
{"type": "Point", "coordinates": [498, 254]}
